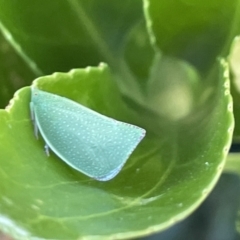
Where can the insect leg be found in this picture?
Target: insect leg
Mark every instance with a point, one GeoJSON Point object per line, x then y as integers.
{"type": "Point", "coordinates": [46, 148]}
{"type": "Point", "coordinates": [32, 111]}
{"type": "Point", "coordinates": [34, 120]}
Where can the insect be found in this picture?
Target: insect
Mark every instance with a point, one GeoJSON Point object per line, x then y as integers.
{"type": "Point", "coordinates": [89, 142]}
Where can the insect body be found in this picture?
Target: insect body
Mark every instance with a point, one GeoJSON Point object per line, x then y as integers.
{"type": "Point", "coordinates": [89, 142]}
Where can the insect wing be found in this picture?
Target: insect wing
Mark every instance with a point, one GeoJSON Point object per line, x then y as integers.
{"type": "Point", "coordinates": [89, 142]}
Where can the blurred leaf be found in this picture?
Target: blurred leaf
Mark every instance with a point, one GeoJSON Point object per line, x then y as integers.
{"type": "Point", "coordinates": [236, 108]}
{"type": "Point", "coordinates": [238, 222]}
{"type": "Point", "coordinates": [233, 166]}
{"type": "Point", "coordinates": [14, 73]}
{"type": "Point", "coordinates": [138, 53]}
{"type": "Point", "coordinates": [234, 60]}
{"type": "Point", "coordinates": [59, 36]}
{"type": "Point", "coordinates": [233, 163]}
{"type": "Point", "coordinates": [196, 31]}
{"type": "Point", "coordinates": [167, 177]}
{"type": "Point", "coordinates": [173, 88]}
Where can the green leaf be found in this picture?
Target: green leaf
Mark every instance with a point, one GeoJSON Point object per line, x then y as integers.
{"type": "Point", "coordinates": [173, 88]}
{"type": "Point", "coordinates": [58, 36]}
{"type": "Point", "coordinates": [233, 163]}
{"type": "Point", "coordinates": [234, 61]}
{"type": "Point", "coordinates": [139, 53]}
{"type": "Point", "coordinates": [167, 177]}
{"type": "Point", "coordinates": [14, 73]}
{"type": "Point", "coordinates": [197, 31]}
{"type": "Point", "coordinates": [233, 166]}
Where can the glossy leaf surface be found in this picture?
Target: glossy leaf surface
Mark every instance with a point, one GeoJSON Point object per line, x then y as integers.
{"type": "Point", "coordinates": [14, 73]}
{"type": "Point", "coordinates": [196, 31]}
{"type": "Point", "coordinates": [169, 175]}
{"type": "Point", "coordinates": [90, 31]}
